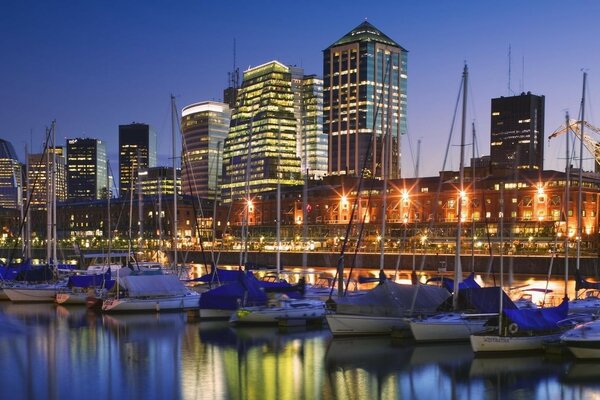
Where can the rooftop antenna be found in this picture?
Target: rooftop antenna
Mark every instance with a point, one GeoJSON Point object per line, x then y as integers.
{"type": "Point", "coordinates": [522, 74]}
{"type": "Point", "coordinates": [235, 74]}
{"type": "Point", "coordinates": [510, 91]}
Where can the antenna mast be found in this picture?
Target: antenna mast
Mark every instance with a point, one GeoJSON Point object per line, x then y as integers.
{"type": "Point", "coordinates": [509, 69]}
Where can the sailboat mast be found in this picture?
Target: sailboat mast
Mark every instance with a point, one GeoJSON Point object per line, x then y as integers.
{"type": "Point", "coordinates": [54, 171]}
{"type": "Point", "coordinates": [244, 244]}
{"type": "Point", "coordinates": [304, 194]}
{"type": "Point", "coordinates": [580, 181]}
{"type": "Point", "coordinates": [278, 233]}
{"type": "Point", "coordinates": [215, 195]}
{"type": "Point", "coordinates": [174, 149]}
{"type": "Point", "coordinates": [567, 193]}
{"type": "Point", "coordinates": [108, 225]}
{"type": "Point", "coordinates": [48, 202]}
{"type": "Point", "coordinates": [501, 257]}
{"type": "Point", "coordinates": [27, 239]}
{"type": "Point", "coordinates": [457, 265]}
{"type": "Point", "coordinates": [472, 197]}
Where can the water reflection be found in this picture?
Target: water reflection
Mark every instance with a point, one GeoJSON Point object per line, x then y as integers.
{"type": "Point", "coordinates": [51, 352]}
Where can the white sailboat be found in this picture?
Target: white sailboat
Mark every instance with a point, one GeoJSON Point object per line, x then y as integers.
{"type": "Point", "coordinates": [285, 308]}
{"type": "Point", "coordinates": [527, 329]}
{"type": "Point", "coordinates": [154, 290]}
{"type": "Point", "coordinates": [46, 291]}
{"type": "Point", "coordinates": [152, 293]}
{"type": "Point", "coordinates": [304, 310]}
{"type": "Point", "coordinates": [389, 306]}
{"type": "Point", "coordinates": [454, 325]}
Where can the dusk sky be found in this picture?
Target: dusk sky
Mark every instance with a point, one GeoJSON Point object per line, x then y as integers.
{"type": "Point", "coordinates": [93, 65]}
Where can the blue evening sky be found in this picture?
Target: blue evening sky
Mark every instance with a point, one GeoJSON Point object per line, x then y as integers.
{"type": "Point", "coordinates": [93, 65]}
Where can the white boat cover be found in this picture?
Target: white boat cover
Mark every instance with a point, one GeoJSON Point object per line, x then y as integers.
{"type": "Point", "coordinates": [391, 299]}
{"type": "Point", "coordinates": [153, 285]}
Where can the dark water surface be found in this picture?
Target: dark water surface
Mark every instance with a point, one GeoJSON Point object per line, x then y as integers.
{"type": "Point", "coordinates": [55, 352]}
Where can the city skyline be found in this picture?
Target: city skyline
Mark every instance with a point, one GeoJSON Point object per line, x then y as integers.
{"type": "Point", "coordinates": [93, 67]}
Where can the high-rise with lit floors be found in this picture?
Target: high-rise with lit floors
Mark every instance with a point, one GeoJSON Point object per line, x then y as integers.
{"type": "Point", "coordinates": [260, 149]}
{"type": "Point", "coordinates": [39, 180]}
{"type": "Point", "coordinates": [204, 127]}
{"type": "Point", "coordinates": [137, 150]}
{"type": "Point", "coordinates": [11, 176]}
{"type": "Point", "coordinates": [314, 143]}
{"type": "Point", "coordinates": [364, 102]}
{"type": "Point", "coordinates": [158, 181]}
{"type": "Point", "coordinates": [517, 133]}
{"type": "Point", "coordinates": [86, 169]}
{"type": "Point", "coordinates": [311, 142]}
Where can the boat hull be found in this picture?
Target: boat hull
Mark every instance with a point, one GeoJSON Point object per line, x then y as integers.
{"type": "Point", "coordinates": [71, 298]}
{"type": "Point", "coordinates": [31, 294]}
{"type": "Point", "coordinates": [490, 343]}
{"type": "Point", "coordinates": [446, 329]}
{"type": "Point", "coordinates": [350, 325]}
{"type": "Point", "coordinates": [584, 350]}
{"type": "Point", "coordinates": [151, 304]}
{"type": "Point", "coordinates": [215, 313]}
{"type": "Point", "coordinates": [310, 310]}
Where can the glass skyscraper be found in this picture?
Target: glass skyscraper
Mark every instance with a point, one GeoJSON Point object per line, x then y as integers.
{"type": "Point", "coordinates": [11, 176]}
{"type": "Point", "coordinates": [86, 169]}
{"type": "Point", "coordinates": [39, 177]}
{"type": "Point", "coordinates": [313, 146]}
{"type": "Point", "coordinates": [137, 150]}
{"type": "Point", "coordinates": [204, 127]}
{"type": "Point", "coordinates": [364, 102]}
{"type": "Point", "coordinates": [260, 150]}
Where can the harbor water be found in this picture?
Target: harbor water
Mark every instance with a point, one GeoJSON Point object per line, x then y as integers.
{"type": "Point", "coordinates": [64, 353]}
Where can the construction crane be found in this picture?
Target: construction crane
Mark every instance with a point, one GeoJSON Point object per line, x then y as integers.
{"type": "Point", "coordinates": [592, 145]}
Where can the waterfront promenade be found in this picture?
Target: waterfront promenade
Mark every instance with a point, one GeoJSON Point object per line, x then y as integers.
{"type": "Point", "coordinates": [533, 264]}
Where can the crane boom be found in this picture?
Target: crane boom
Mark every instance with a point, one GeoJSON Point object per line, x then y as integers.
{"type": "Point", "coordinates": [592, 145]}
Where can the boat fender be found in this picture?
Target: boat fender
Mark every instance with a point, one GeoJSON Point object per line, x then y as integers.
{"type": "Point", "coordinates": [513, 328]}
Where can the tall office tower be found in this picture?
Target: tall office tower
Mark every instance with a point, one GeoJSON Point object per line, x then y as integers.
{"type": "Point", "coordinates": [260, 149]}
{"type": "Point", "coordinates": [204, 127]}
{"type": "Point", "coordinates": [311, 142]}
{"type": "Point", "coordinates": [364, 102]}
{"type": "Point", "coordinates": [314, 143]}
{"type": "Point", "coordinates": [11, 176]}
{"type": "Point", "coordinates": [517, 132]}
{"type": "Point", "coordinates": [86, 169]}
{"type": "Point", "coordinates": [159, 181]}
{"type": "Point", "coordinates": [137, 150]}
{"type": "Point", "coordinates": [39, 178]}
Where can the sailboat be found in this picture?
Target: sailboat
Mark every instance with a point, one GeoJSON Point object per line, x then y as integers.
{"type": "Point", "coordinates": [283, 307]}
{"type": "Point", "coordinates": [528, 329]}
{"type": "Point", "coordinates": [464, 320]}
{"type": "Point", "coordinates": [41, 285]}
{"type": "Point", "coordinates": [153, 290]}
{"type": "Point", "coordinates": [389, 306]}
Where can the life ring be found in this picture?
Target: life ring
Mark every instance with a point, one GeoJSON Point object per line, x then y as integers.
{"type": "Point", "coordinates": [513, 328]}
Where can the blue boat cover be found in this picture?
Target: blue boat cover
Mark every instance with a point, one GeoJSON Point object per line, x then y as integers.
{"type": "Point", "coordinates": [91, 280]}
{"type": "Point", "coordinates": [539, 319]}
{"type": "Point", "coordinates": [218, 276]}
{"type": "Point", "coordinates": [448, 283]}
{"type": "Point", "coordinates": [246, 290]}
{"type": "Point", "coordinates": [487, 300]}
{"type": "Point", "coordinates": [10, 272]}
{"type": "Point", "coordinates": [36, 274]}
